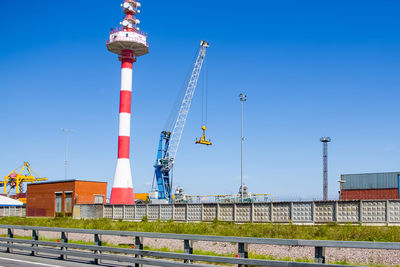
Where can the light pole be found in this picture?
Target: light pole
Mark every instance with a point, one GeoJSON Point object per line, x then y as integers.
{"type": "Point", "coordinates": [67, 132]}
{"type": "Point", "coordinates": [242, 99]}
{"type": "Point", "coordinates": [325, 141]}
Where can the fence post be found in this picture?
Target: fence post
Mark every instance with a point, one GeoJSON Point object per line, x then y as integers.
{"type": "Point", "coordinates": [313, 212]}
{"type": "Point", "coordinates": [252, 212]}
{"type": "Point", "coordinates": [10, 233]}
{"type": "Point", "coordinates": [243, 252]}
{"type": "Point", "coordinates": [186, 212]}
{"type": "Point", "coordinates": [64, 239]}
{"type": "Point", "coordinates": [387, 212]}
{"type": "Point", "coordinates": [319, 254]}
{"type": "Point", "coordinates": [271, 213]}
{"type": "Point", "coordinates": [188, 249]}
{"type": "Point", "coordinates": [97, 242]}
{"type": "Point", "coordinates": [139, 246]}
{"type": "Point", "coordinates": [291, 212]}
{"type": "Point", "coordinates": [336, 211]}
{"type": "Point", "coordinates": [35, 237]}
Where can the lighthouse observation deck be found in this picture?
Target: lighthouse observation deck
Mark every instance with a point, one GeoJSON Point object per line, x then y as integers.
{"type": "Point", "coordinates": [121, 39]}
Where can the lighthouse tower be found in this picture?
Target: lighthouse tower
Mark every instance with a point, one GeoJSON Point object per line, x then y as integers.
{"type": "Point", "coordinates": [128, 43]}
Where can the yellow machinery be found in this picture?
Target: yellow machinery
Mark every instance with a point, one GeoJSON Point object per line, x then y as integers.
{"type": "Point", "coordinates": [203, 140]}
{"type": "Point", "coordinates": [16, 179]}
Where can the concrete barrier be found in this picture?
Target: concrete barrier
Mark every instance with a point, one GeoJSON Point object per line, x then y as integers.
{"type": "Point", "coordinates": [378, 212]}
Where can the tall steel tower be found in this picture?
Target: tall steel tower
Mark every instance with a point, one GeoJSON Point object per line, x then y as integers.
{"type": "Point", "coordinates": [128, 43]}
{"type": "Point", "coordinates": [325, 141]}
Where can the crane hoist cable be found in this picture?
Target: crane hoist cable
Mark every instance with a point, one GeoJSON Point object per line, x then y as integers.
{"type": "Point", "coordinates": [204, 108]}
{"type": "Point", "coordinates": [170, 138]}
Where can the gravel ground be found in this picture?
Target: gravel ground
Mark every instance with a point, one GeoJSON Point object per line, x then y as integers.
{"type": "Point", "coordinates": [363, 256]}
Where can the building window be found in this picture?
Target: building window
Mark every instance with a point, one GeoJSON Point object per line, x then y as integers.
{"type": "Point", "coordinates": [68, 204]}
{"type": "Point", "coordinates": [58, 208]}
{"type": "Point", "coordinates": [98, 199]}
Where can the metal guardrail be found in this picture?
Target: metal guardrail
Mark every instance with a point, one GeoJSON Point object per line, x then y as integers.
{"type": "Point", "coordinates": [97, 252]}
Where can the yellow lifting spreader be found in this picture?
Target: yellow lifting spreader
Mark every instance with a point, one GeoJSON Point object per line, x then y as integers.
{"type": "Point", "coordinates": [15, 179]}
{"type": "Point", "coordinates": [203, 140]}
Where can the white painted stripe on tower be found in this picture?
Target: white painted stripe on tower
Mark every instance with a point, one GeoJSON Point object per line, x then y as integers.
{"type": "Point", "coordinates": [123, 177]}
{"type": "Point", "coordinates": [124, 124]}
{"type": "Point", "coordinates": [126, 79]}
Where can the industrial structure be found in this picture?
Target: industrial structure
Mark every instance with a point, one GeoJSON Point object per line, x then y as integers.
{"type": "Point", "coordinates": [58, 198]}
{"type": "Point", "coordinates": [169, 140]}
{"type": "Point", "coordinates": [384, 185]}
{"type": "Point", "coordinates": [128, 43]}
{"type": "Point", "coordinates": [16, 180]}
{"type": "Point", "coordinates": [325, 141]}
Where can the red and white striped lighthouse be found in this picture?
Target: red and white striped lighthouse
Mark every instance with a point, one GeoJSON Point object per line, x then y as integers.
{"type": "Point", "coordinates": [129, 43]}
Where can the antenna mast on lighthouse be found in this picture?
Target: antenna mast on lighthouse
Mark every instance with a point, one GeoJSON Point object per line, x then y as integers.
{"type": "Point", "coordinates": [128, 42]}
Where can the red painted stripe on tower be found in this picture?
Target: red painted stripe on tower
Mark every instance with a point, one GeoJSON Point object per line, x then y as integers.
{"type": "Point", "coordinates": [123, 147]}
{"type": "Point", "coordinates": [127, 63]}
{"type": "Point", "coordinates": [122, 196]}
{"type": "Point", "coordinates": [125, 102]}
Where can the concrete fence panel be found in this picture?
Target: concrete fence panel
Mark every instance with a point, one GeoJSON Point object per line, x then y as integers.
{"type": "Point", "coordinates": [373, 211]}
{"type": "Point", "coordinates": [394, 211]}
{"type": "Point", "coordinates": [180, 212]}
{"type": "Point", "coordinates": [153, 212]}
{"type": "Point", "coordinates": [108, 211]}
{"type": "Point", "coordinates": [302, 212]}
{"type": "Point", "coordinates": [243, 212]}
{"type": "Point", "coordinates": [194, 212]}
{"type": "Point", "coordinates": [140, 212]}
{"type": "Point", "coordinates": [261, 212]}
{"type": "Point", "coordinates": [324, 212]}
{"type": "Point", "coordinates": [166, 212]}
{"type": "Point", "coordinates": [209, 212]}
{"type": "Point", "coordinates": [281, 212]}
{"type": "Point", "coordinates": [226, 212]}
{"type": "Point", "coordinates": [118, 212]}
{"type": "Point", "coordinates": [129, 213]}
{"type": "Point", "coordinates": [348, 211]}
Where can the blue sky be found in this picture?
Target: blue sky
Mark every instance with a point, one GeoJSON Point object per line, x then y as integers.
{"type": "Point", "coordinates": [309, 68]}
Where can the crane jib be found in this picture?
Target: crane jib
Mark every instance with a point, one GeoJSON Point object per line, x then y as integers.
{"type": "Point", "coordinates": [169, 141]}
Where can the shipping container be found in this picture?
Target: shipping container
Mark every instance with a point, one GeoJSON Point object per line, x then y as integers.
{"type": "Point", "coordinates": [382, 180]}
{"type": "Point", "coordinates": [371, 194]}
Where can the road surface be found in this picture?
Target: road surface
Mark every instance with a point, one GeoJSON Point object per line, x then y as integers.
{"type": "Point", "coordinates": [17, 259]}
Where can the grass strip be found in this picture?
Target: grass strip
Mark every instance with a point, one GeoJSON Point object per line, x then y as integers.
{"type": "Point", "coordinates": [267, 230]}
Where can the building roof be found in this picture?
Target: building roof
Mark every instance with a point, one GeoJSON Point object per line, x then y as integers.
{"type": "Point", "coordinates": [6, 201]}
{"type": "Point", "coordinates": [65, 181]}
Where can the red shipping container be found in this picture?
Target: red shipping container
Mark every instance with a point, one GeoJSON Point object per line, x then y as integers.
{"type": "Point", "coordinates": [372, 194]}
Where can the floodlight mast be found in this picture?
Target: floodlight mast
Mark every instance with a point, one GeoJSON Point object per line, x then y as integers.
{"type": "Point", "coordinates": [325, 141]}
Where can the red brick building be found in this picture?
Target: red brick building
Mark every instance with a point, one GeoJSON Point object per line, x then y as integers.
{"type": "Point", "coordinates": [50, 199]}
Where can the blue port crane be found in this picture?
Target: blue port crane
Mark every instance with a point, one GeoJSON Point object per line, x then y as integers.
{"type": "Point", "coordinates": [169, 140]}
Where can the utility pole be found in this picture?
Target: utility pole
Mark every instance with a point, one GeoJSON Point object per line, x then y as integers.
{"type": "Point", "coordinates": [242, 99]}
{"type": "Point", "coordinates": [325, 141]}
{"type": "Point", "coordinates": [67, 132]}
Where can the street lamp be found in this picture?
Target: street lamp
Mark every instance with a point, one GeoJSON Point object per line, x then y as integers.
{"type": "Point", "coordinates": [67, 132]}
{"type": "Point", "coordinates": [242, 99]}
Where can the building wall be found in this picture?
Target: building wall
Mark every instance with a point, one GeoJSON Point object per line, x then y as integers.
{"type": "Point", "coordinates": [41, 198]}
{"type": "Point", "coordinates": [375, 194]}
{"type": "Point", "coordinates": [85, 192]}
{"type": "Point", "coordinates": [381, 180]}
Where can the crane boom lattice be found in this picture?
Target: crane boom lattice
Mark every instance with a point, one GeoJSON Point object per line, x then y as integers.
{"type": "Point", "coordinates": [184, 109]}
{"type": "Point", "coordinates": [169, 141]}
